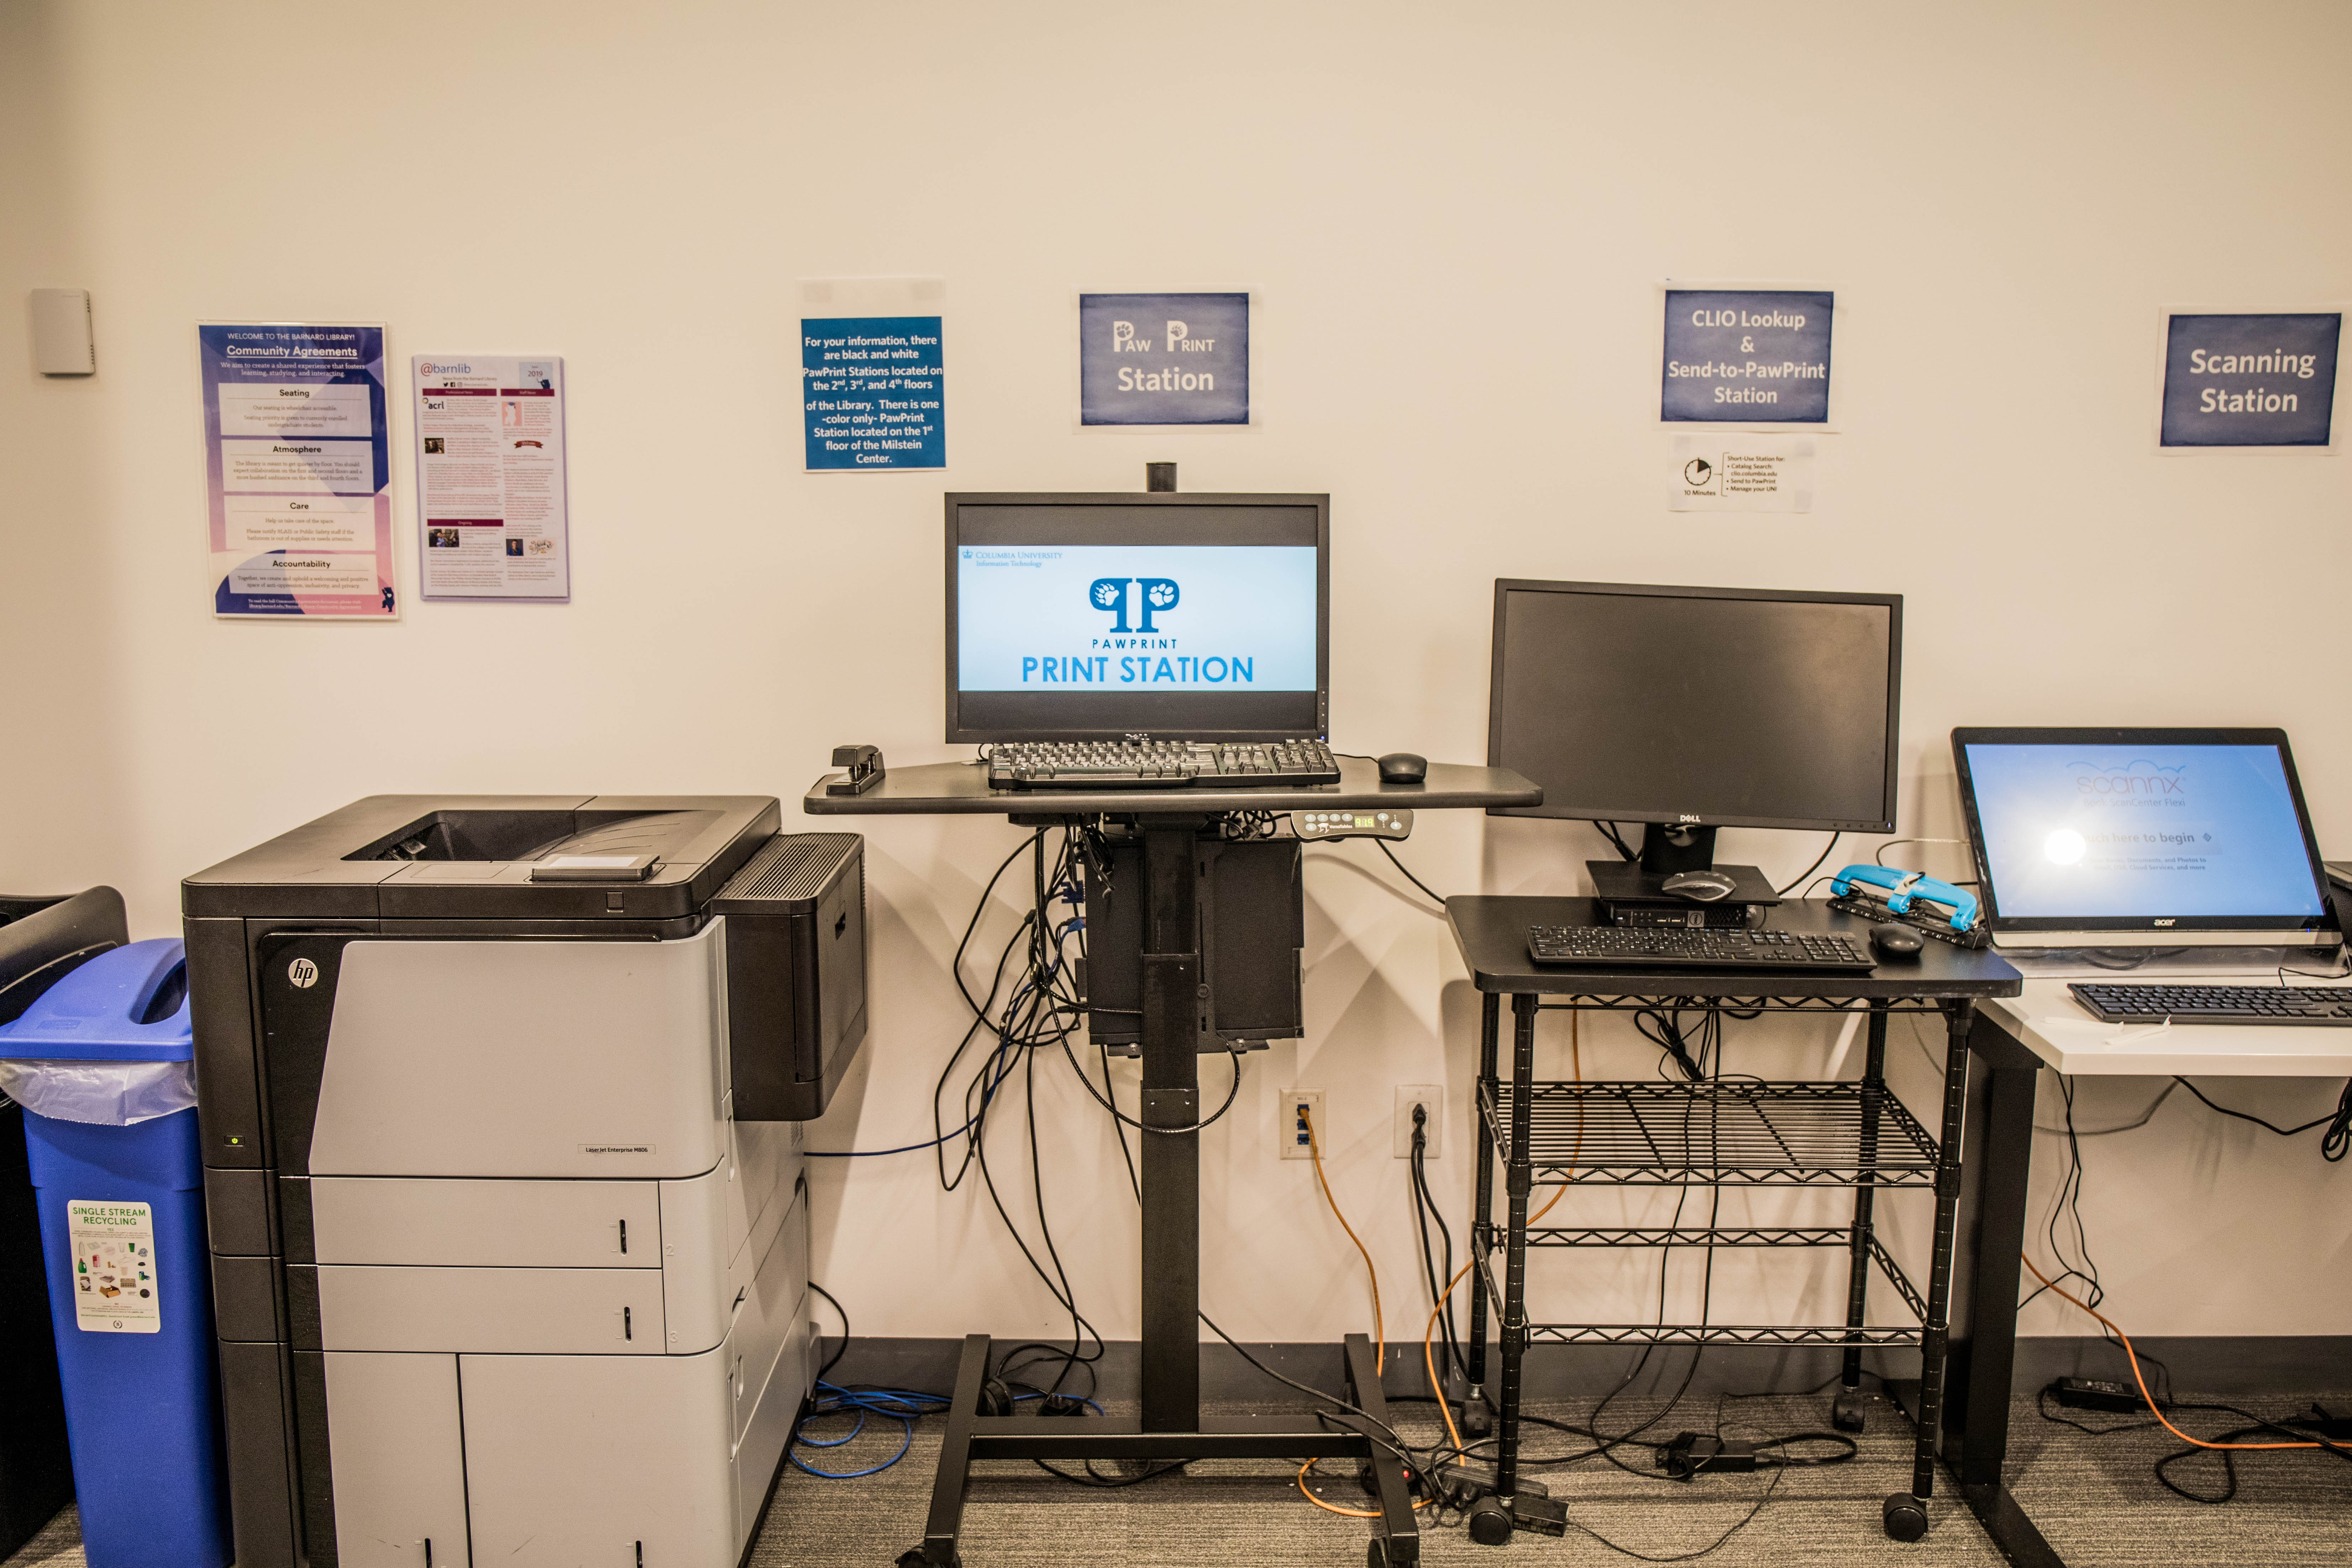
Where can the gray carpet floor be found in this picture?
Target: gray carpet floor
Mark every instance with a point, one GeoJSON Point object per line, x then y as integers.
{"type": "Point", "coordinates": [2094, 1498]}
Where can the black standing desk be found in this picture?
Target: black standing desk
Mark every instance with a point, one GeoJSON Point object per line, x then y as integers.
{"type": "Point", "coordinates": [1178, 1010]}
{"type": "Point", "coordinates": [1831, 1135]}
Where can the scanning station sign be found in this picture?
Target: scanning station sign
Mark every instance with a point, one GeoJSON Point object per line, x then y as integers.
{"type": "Point", "coordinates": [2248, 381]}
{"type": "Point", "coordinates": [298, 470]}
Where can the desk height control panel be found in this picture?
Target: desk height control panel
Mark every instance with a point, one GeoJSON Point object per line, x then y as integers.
{"type": "Point", "coordinates": [1352, 823]}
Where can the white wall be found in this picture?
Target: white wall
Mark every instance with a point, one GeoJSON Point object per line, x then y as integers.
{"type": "Point", "coordinates": [1457, 219]}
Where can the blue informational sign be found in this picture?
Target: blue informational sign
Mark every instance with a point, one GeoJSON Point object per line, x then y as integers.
{"type": "Point", "coordinates": [2250, 381]}
{"type": "Point", "coordinates": [1747, 356]}
{"type": "Point", "coordinates": [1184, 617]}
{"type": "Point", "coordinates": [871, 392]}
{"type": "Point", "coordinates": [1164, 359]}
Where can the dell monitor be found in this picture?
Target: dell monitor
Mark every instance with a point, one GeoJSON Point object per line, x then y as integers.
{"type": "Point", "coordinates": [1101, 618]}
{"type": "Point", "coordinates": [1689, 709]}
{"type": "Point", "coordinates": [2121, 838]}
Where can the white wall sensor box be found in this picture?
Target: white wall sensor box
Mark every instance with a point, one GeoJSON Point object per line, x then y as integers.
{"type": "Point", "coordinates": [61, 335]}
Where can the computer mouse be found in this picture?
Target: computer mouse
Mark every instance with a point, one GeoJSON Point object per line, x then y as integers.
{"type": "Point", "coordinates": [1404, 767]}
{"type": "Point", "coordinates": [1892, 939]}
{"type": "Point", "coordinates": [1704, 886]}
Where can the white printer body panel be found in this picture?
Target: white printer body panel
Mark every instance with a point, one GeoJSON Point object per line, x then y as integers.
{"type": "Point", "coordinates": [526, 1058]}
{"type": "Point", "coordinates": [561, 1294]}
{"type": "Point", "coordinates": [486, 1223]}
{"type": "Point", "coordinates": [399, 1460]}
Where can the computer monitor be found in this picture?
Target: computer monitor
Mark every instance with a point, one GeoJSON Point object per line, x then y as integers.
{"type": "Point", "coordinates": [2101, 838]}
{"type": "Point", "coordinates": [1092, 617]}
{"type": "Point", "coordinates": [1689, 709]}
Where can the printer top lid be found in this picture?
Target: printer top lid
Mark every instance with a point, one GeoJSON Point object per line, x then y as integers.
{"type": "Point", "coordinates": [426, 857]}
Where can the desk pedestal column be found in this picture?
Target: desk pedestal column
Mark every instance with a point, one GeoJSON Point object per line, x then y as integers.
{"type": "Point", "coordinates": [1175, 1018]}
{"type": "Point", "coordinates": [1178, 1022]}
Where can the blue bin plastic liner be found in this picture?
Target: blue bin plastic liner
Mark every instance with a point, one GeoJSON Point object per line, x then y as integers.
{"type": "Point", "coordinates": [122, 1235]}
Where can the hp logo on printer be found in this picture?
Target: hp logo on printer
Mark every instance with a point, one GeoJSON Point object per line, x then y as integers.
{"type": "Point", "coordinates": [1147, 596]}
{"type": "Point", "coordinates": [302, 972]}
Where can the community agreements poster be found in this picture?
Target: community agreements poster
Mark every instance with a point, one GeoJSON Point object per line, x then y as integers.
{"type": "Point", "coordinates": [297, 466]}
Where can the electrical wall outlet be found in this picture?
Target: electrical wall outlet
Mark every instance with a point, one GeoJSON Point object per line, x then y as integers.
{"type": "Point", "coordinates": [1297, 1104]}
{"type": "Point", "coordinates": [1433, 1097]}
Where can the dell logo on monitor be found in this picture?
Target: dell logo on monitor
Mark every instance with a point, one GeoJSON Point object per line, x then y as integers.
{"type": "Point", "coordinates": [1150, 596]}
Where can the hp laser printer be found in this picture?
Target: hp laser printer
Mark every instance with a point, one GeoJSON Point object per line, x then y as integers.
{"type": "Point", "coordinates": [500, 1103]}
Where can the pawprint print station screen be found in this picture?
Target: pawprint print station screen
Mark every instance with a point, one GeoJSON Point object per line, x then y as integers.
{"type": "Point", "coordinates": [1097, 616]}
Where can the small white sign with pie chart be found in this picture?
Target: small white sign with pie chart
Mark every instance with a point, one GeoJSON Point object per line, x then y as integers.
{"type": "Point", "coordinates": [1742, 473]}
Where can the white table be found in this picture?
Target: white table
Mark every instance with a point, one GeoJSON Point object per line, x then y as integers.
{"type": "Point", "coordinates": [2048, 1022]}
{"type": "Point", "coordinates": [2014, 1039]}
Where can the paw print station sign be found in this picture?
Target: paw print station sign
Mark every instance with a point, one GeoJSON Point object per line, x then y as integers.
{"type": "Point", "coordinates": [1164, 359]}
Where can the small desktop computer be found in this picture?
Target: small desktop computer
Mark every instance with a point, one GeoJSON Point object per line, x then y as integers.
{"type": "Point", "coordinates": [1691, 709]}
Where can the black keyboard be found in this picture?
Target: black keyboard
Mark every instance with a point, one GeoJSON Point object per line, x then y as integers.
{"type": "Point", "coordinates": [2147, 1003]}
{"type": "Point", "coordinates": [1159, 764]}
{"type": "Point", "coordinates": [1679, 947]}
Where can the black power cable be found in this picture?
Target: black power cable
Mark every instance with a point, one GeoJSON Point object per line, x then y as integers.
{"type": "Point", "coordinates": [843, 1348]}
{"type": "Point", "coordinates": [2333, 1144]}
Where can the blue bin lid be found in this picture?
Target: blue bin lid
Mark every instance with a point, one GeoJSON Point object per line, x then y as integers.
{"type": "Point", "coordinates": [94, 1014]}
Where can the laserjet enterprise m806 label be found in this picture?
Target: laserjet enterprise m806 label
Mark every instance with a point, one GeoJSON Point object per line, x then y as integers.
{"type": "Point", "coordinates": [1126, 617]}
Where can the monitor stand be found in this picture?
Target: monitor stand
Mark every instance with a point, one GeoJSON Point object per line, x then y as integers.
{"type": "Point", "coordinates": [1671, 846]}
{"type": "Point", "coordinates": [1667, 848]}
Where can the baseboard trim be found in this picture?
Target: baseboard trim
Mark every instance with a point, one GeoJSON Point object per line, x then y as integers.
{"type": "Point", "coordinates": [2242, 1367]}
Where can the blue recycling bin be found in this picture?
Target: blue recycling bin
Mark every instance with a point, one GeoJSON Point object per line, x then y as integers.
{"type": "Point", "coordinates": [123, 1235]}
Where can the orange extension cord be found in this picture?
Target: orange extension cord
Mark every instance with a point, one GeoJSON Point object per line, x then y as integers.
{"type": "Point", "coordinates": [1429, 1332]}
{"type": "Point", "coordinates": [1314, 1147]}
{"type": "Point", "coordinates": [2049, 1285]}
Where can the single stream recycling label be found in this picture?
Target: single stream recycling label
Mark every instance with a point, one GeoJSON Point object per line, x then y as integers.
{"type": "Point", "coordinates": [115, 1290]}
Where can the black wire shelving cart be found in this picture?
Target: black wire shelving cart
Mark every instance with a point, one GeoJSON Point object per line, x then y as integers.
{"type": "Point", "coordinates": [1848, 1135]}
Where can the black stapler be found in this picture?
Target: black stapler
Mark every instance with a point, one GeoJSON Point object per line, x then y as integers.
{"type": "Point", "coordinates": [864, 765]}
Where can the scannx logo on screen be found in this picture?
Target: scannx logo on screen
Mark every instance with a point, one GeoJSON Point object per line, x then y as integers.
{"type": "Point", "coordinates": [2130, 780]}
{"type": "Point", "coordinates": [1147, 596]}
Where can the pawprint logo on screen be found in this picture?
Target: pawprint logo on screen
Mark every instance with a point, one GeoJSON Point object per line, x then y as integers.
{"type": "Point", "coordinates": [1139, 597]}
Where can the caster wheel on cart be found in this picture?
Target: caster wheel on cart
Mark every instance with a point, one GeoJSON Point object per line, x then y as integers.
{"type": "Point", "coordinates": [1376, 1555]}
{"type": "Point", "coordinates": [916, 1559]}
{"type": "Point", "coordinates": [1848, 1411]}
{"type": "Point", "coordinates": [1490, 1521]}
{"type": "Point", "coordinates": [1905, 1517]}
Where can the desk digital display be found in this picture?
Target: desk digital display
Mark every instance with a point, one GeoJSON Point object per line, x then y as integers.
{"type": "Point", "coordinates": [1103, 618]}
{"type": "Point", "coordinates": [1181, 616]}
{"type": "Point", "coordinates": [2146, 832]}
